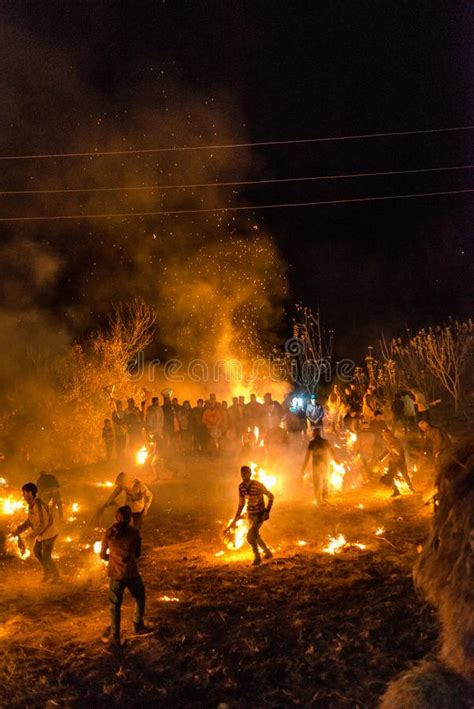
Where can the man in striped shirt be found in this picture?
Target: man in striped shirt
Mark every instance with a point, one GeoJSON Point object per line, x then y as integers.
{"type": "Point", "coordinates": [252, 492]}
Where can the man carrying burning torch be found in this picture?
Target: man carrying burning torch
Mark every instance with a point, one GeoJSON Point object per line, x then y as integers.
{"type": "Point", "coordinates": [137, 496]}
{"type": "Point", "coordinates": [252, 492]}
{"type": "Point", "coordinates": [121, 547]}
{"type": "Point", "coordinates": [41, 521]}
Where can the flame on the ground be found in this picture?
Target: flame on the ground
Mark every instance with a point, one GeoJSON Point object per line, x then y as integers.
{"type": "Point", "coordinates": [337, 544]}
{"type": "Point", "coordinates": [75, 507]}
{"type": "Point", "coordinates": [9, 505]}
{"type": "Point", "coordinates": [169, 599]}
{"type": "Point", "coordinates": [379, 531]}
{"type": "Point", "coordinates": [337, 472]}
{"type": "Point", "coordinates": [301, 543]}
{"type": "Point", "coordinates": [3, 482]}
{"type": "Point", "coordinates": [219, 553]}
{"type": "Point", "coordinates": [107, 483]}
{"type": "Point", "coordinates": [97, 547]}
{"type": "Point", "coordinates": [141, 456]}
{"type": "Point", "coordinates": [235, 538]}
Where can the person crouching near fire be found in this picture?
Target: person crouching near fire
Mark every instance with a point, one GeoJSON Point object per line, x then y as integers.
{"type": "Point", "coordinates": [444, 572]}
{"type": "Point", "coordinates": [137, 496]}
{"type": "Point", "coordinates": [121, 548]}
{"type": "Point", "coordinates": [41, 521]}
{"type": "Point", "coordinates": [252, 492]}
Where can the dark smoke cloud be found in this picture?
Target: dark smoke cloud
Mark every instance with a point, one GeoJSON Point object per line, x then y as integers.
{"type": "Point", "coordinates": [216, 281]}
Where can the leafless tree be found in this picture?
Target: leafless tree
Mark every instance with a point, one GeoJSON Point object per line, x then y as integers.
{"type": "Point", "coordinates": [310, 349]}
{"type": "Point", "coordinates": [437, 355]}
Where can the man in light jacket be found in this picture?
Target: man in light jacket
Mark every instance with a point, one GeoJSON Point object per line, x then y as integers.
{"type": "Point", "coordinates": [41, 521]}
{"type": "Point", "coordinates": [137, 496]}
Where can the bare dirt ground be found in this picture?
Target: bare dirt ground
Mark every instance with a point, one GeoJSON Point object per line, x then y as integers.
{"type": "Point", "coordinates": [305, 629]}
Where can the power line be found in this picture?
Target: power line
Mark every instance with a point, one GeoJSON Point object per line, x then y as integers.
{"type": "Point", "coordinates": [229, 146]}
{"type": "Point", "coordinates": [241, 183]}
{"type": "Point", "coordinates": [231, 209]}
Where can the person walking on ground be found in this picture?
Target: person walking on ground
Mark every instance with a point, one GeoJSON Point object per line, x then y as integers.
{"type": "Point", "coordinates": [137, 496]}
{"type": "Point", "coordinates": [41, 521]}
{"type": "Point", "coordinates": [252, 492]}
{"type": "Point", "coordinates": [321, 452]}
{"type": "Point", "coordinates": [121, 548]}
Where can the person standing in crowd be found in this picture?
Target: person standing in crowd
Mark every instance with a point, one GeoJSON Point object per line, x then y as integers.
{"type": "Point", "coordinates": [154, 421]}
{"type": "Point", "coordinates": [41, 520]}
{"type": "Point", "coordinates": [137, 496]}
{"type": "Point", "coordinates": [352, 408]}
{"type": "Point", "coordinates": [409, 410]}
{"type": "Point", "coordinates": [369, 404]}
{"type": "Point", "coordinates": [253, 414]}
{"type": "Point", "coordinates": [198, 428]}
{"type": "Point", "coordinates": [236, 419]}
{"type": "Point", "coordinates": [121, 548]}
{"type": "Point", "coordinates": [49, 491]}
{"type": "Point", "coordinates": [176, 435]}
{"type": "Point", "coordinates": [315, 413]}
{"type": "Point", "coordinates": [398, 413]}
{"type": "Point", "coordinates": [252, 492]}
{"type": "Point", "coordinates": [296, 424]}
{"type": "Point", "coordinates": [395, 456]}
{"type": "Point", "coordinates": [274, 414]}
{"type": "Point", "coordinates": [185, 426]}
{"type": "Point", "coordinates": [168, 419]}
{"type": "Point", "coordinates": [133, 423]}
{"type": "Point", "coordinates": [321, 452]}
{"type": "Point", "coordinates": [334, 408]}
{"type": "Point", "coordinates": [210, 419]}
{"type": "Point", "coordinates": [120, 429]}
{"type": "Point", "coordinates": [108, 438]}
{"type": "Point", "coordinates": [438, 440]}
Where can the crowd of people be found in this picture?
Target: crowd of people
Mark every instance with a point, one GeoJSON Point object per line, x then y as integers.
{"type": "Point", "coordinates": [166, 426]}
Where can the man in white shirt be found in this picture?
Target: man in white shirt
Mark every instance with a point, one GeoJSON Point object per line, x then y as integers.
{"type": "Point", "coordinates": [137, 496]}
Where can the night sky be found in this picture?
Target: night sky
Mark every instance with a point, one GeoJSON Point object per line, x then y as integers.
{"type": "Point", "coordinates": [80, 76]}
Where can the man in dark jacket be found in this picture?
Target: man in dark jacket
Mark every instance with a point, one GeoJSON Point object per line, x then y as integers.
{"type": "Point", "coordinates": [321, 452]}
{"type": "Point", "coordinates": [121, 547]}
